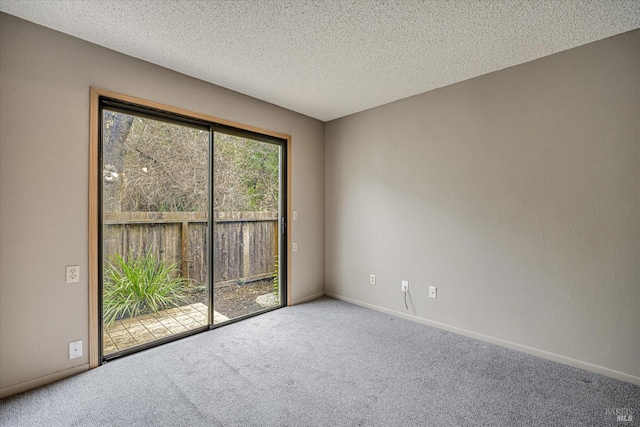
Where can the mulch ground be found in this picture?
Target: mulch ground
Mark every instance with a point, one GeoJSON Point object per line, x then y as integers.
{"type": "Point", "coordinates": [237, 299]}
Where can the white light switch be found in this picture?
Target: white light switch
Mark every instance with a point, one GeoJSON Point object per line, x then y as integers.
{"type": "Point", "coordinates": [295, 215]}
{"type": "Point", "coordinates": [432, 292]}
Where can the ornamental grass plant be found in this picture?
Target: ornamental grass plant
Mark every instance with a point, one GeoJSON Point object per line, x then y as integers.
{"type": "Point", "coordinates": [142, 284]}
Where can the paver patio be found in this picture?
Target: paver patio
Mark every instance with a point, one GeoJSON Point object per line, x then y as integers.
{"type": "Point", "coordinates": [134, 331]}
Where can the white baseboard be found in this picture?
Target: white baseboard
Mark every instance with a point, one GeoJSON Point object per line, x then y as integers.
{"type": "Point", "coordinates": [41, 381]}
{"type": "Point", "coordinates": [519, 347]}
{"type": "Point", "coordinates": [307, 298]}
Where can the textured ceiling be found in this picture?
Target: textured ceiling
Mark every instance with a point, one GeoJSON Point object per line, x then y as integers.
{"type": "Point", "coordinates": [328, 59]}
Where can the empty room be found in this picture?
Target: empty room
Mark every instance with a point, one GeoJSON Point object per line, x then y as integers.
{"type": "Point", "coordinates": [319, 213]}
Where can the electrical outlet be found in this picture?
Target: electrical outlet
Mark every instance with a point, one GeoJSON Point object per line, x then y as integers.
{"type": "Point", "coordinates": [405, 286]}
{"type": "Point", "coordinates": [433, 292]}
{"type": "Point", "coordinates": [75, 349]}
{"type": "Point", "coordinates": [372, 279]}
{"type": "Point", "coordinates": [73, 273]}
{"type": "Point", "coordinates": [295, 215]}
{"type": "Point", "coordinates": [295, 246]}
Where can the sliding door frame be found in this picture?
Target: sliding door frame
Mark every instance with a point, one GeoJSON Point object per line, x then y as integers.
{"type": "Point", "coordinates": [95, 205]}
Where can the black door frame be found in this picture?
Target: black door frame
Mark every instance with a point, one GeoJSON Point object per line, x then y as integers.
{"type": "Point", "coordinates": [116, 103]}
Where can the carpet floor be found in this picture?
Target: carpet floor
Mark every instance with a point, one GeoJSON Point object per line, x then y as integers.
{"type": "Point", "coordinates": [327, 363]}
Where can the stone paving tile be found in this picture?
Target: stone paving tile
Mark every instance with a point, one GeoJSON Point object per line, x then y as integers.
{"type": "Point", "coordinates": [198, 313]}
{"type": "Point", "coordinates": [151, 323]}
{"type": "Point", "coordinates": [200, 320]}
{"type": "Point", "coordinates": [160, 332]}
{"type": "Point", "coordinates": [188, 309]}
{"type": "Point", "coordinates": [110, 349]}
{"type": "Point", "coordinates": [219, 318]}
{"type": "Point", "coordinates": [143, 336]}
{"type": "Point", "coordinates": [116, 326]}
{"type": "Point", "coordinates": [127, 344]}
{"type": "Point", "coordinates": [155, 327]}
{"type": "Point", "coordinates": [181, 320]}
{"type": "Point", "coordinates": [201, 308]}
{"type": "Point", "coordinates": [109, 346]}
{"type": "Point", "coordinates": [190, 324]}
{"type": "Point", "coordinates": [177, 329]}
{"type": "Point", "coordinates": [119, 336]}
{"type": "Point", "coordinates": [184, 321]}
{"type": "Point", "coordinates": [192, 311]}
{"type": "Point", "coordinates": [128, 322]}
{"type": "Point", "coordinates": [127, 333]}
{"type": "Point", "coordinates": [191, 321]}
{"type": "Point", "coordinates": [169, 322]}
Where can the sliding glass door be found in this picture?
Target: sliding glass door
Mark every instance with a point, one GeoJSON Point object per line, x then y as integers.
{"type": "Point", "coordinates": [191, 226]}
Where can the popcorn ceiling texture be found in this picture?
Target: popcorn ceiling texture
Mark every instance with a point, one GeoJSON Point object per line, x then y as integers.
{"type": "Point", "coordinates": [328, 59]}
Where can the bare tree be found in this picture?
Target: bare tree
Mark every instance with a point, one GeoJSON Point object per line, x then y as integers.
{"type": "Point", "coordinates": [115, 128]}
{"type": "Point", "coordinates": [166, 167]}
{"type": "Point", "coordinates": [162, 166]}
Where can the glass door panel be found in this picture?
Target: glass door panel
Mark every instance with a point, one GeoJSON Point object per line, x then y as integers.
{"type": "Point", "coordinates": [155, 229]}
{"type": "Point", "coordinates": [248, 206]}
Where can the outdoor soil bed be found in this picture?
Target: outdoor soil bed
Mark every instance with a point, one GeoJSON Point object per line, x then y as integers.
{"type": "Point", "coordinates": [237, 299]}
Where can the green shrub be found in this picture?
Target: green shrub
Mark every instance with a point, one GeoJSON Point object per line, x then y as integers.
{"type": "Point", "coordinates": [140, 285]}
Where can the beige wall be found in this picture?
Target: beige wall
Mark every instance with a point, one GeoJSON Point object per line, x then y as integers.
{"type": "Point", "coordinates": [517, 194]}
{"type": "Point", "coordinates": [45, 78]}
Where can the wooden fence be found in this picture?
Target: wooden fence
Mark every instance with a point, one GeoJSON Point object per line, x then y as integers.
{"type": "Point", "coordinates": [245, 243]}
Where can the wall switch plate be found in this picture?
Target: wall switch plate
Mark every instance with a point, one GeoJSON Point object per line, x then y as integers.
{"type": "Point", "coordinates": [295, 215]}
{"type": "Point", "coordinates": [73, 273]}
{"type": "Point", "coordinates": [432, 292]}
{"type": "Point", "coordinates": [295, 246]}
{"type": "Point", "coordinates": [75, 349]}
{"type": "Point", "coordinates": [372, 279]}
{"type": "Point", "coordinates": [405, 286]}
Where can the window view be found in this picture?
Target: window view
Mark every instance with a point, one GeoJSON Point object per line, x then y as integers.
{"type": "Point", "coordinates": [191, 231]}
{"type": "Point", "coordinates": [246, 208]}
{"type": "Point", "coordinates": [154, 203]}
